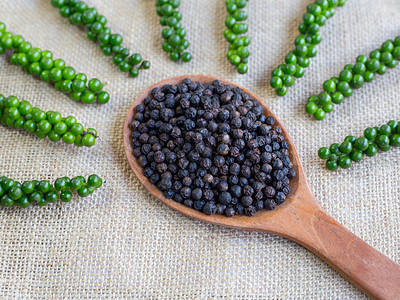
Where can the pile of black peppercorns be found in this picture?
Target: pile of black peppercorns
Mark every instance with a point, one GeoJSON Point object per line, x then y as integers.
{"type": "Point", "coordinates": [210, 147]}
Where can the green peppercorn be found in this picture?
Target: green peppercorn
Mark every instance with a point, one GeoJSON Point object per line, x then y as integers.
{"type": "Point", "coordinates": [346, 147]}
{"type": "Point", "coordinates": [356, 155]}
{"type": "Point", "coordinates": [361, 143]}
{"type": "Point", "coordinates": [344, 162]}
{"type": "Point", "coordinates": [329, 86]}
{"type": "Point", "coordinates": [332, 165]}
{"type": "Point", "coordinates": [395, 140]}
{"type": "Point", "coordinates": [337, 97]}
{"type": "Point", "coordinates": [385, 130]}
{"type": "Point", "coordinates": [319, 114]}
{"type": "Point", "coordinates": [186, 57]}
{"type": "Point", "coordinates": [383, 142]}
{"type": "Point", "coordinates": [335, 148]}
{"type": "Point", "coordinates": [324, 153]}
{"type": "Point", "coordinates": [281, 91]}
{"type": "Point", "coordinates": [95, 85]}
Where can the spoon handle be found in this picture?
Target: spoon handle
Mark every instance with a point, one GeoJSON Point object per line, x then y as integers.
{"type": "Point", "coordinates": [367, 268]}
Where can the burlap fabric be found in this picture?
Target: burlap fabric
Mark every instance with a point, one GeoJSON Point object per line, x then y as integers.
{"type": "Point", "coordinates": [121, 242]}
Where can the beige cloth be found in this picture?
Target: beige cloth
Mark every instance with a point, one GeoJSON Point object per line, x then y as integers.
{"type": "Point", "coordinates": [121, 242]}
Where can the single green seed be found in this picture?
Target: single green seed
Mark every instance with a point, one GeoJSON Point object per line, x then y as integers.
{"type": "Point", "coordinates": [281, 91]}
{"type": "Point", "coordinates": [329, 86]}
{"type": "Point", "coordinates": [370, 133]}
{"type": "Point", "coordinates": [319, 114]}
{"type": "Point", "coordinates": [242, 68]}
{"type": "Point", "coordinates": [385, 130]}
{"type": "Point", "coordinates": [362, 143]}
{"type": "Point", "coordinates": [276, 82]}
{"type": "Point", "coordinates": [395, 140]}
{"type": "Point", "coordinates": [324, 153]}
{"type": "Point", "coordinates": [346, 147]}
{"type": "Point", "coordinates": [344, 162]}
{"type": "Point", "coordinates": [356, 155]}
{"type": "Point", "coordinates": [332, 165]}
{"type": "Point", "coordinates": [372, 150]}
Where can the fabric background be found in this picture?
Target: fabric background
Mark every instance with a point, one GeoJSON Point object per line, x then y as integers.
{"type": "Point", "coordinates": [121, 242]}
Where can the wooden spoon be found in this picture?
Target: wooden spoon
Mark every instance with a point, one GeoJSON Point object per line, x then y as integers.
{"type": "Point", "coordinates": [300, 218]}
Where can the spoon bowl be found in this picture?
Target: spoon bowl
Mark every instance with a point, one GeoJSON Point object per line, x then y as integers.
{"type": "Point", "coordinates": [300, 218]}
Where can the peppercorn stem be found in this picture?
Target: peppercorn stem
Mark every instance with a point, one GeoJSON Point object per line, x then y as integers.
{"type": "Point", "coordinates": [353, 149]}
{"type": "Point", "coordinates": [79, 13]}
{"type": "Point", "coordinates": [354, 76]}
{"type": "Point", "coordinates": [21, 114]}
{"type": "Point", "coordinates": [298, 59]}
{"type": "Point", "coordinates": [42, 192]}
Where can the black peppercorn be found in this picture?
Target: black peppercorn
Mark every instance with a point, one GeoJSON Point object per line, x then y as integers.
{"type": "Point", "coordinates": [270, 120]}
{"type": "Point", "coordinates": [239, 209]}
{"type": "Point", "coordinates": [279, 198]}
{"type": "Point", "coordinates": [148, 172]}
{"type": "Point", "coordinates": [192, 167]}
{"type": "Point", "coordinates": [161, 168]}
{"type": "Point", "coordinates": [223, 186]}
{"type": "Point", "coordinates": [234, 169]}
{"type": "Point", "coordinates": [159, 157]}
{"type": "Point", "coordinates": [233, 179]}
{"type": "Point", "coordinates": [197, 194]}
{"type": "Point", "coordinates": [223, 170]}
{"type": "Point", "coordinates": [246, 201]}
{"type": "Point", "coordinates": [278, 174]}
{"type": "Point", "coordinates": [220, 209]}
{"type": "Point", "coordinates": [208, 178]}
{"type": "Point", "coordinates": [224, 128]}
{"type": "Point", "coordinates": [229, 211]}
{"type": "Point", "coordinates": [250, 211]}
{"type": "Point", "coordinates": [210, 208]}
{"type": "Point", "coordinates": [222, 149]}
{"type": "Point", "coordinates": [292, 173]}
{"type": "Point", "coordinates": [154, 178]}
{"type": "Point", "coordinates": [285, 181]}
{"type": "Point", "coordinates": [243, 181]}
{"type": "Point", "coordinates": [137, 152]}
{"type": "Point", "coordinates": [225, 198]}
{"type": "Point", "coordinates": [187, 181]}
{"type": "Point", "coordinates": [185, 192]}
{"type": "Point", "coordinates": [236, 191]}
{"type": "Point", "coordinates": [269, 204]}
{"type": "Point", "coordinates": [177, 185]}
{"type": "Point", "coordinates": [199, 204]}
{"type": "Point", "coordinates": [164, 184]}
{"type": "Point", "coordinates": [208, 194]}
{"type": "Point", "coordinates": [269, 191]}
{"type": "Point", "coordinates": [166, 175]}
{"type": "Point", "coordinates": [257, 185]}
{"type": "Point", "coordinates": [259, 205]}
{"type": "Point", "coordinates": [142, 160]}
{"type": "Point", "coordinates": [245, 171]}
{"type": "Point", "coordinates": [248, 190]}
{"type": "Point", "coordinates": [188, 203]}
{"type": "Point", "coordinates": [198, 182]}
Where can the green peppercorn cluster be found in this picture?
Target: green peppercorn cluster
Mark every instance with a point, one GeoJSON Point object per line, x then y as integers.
{"type": "Point", "coordinates": [175, 43]}
{"type": "Point", "coordinates": [79, 14]}
{"type": "Point", "coordinates": [353, 77]}
{"type": "Point", "coordinates": [238, 53]}
{"type": "Point", "coordinates": [49, 124]}
{"type": "Point", "coordinates": [41, 63]}
{"type": "Point", "coordinates": [305, 45]}
{"type": "Point", "coordinates": [42, 192]}
{"type": "Point", "coordinates": [353, 149]}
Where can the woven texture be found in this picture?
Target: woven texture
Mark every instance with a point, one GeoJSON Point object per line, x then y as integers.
{"type": "Point", "coordinates": [120, 242]}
